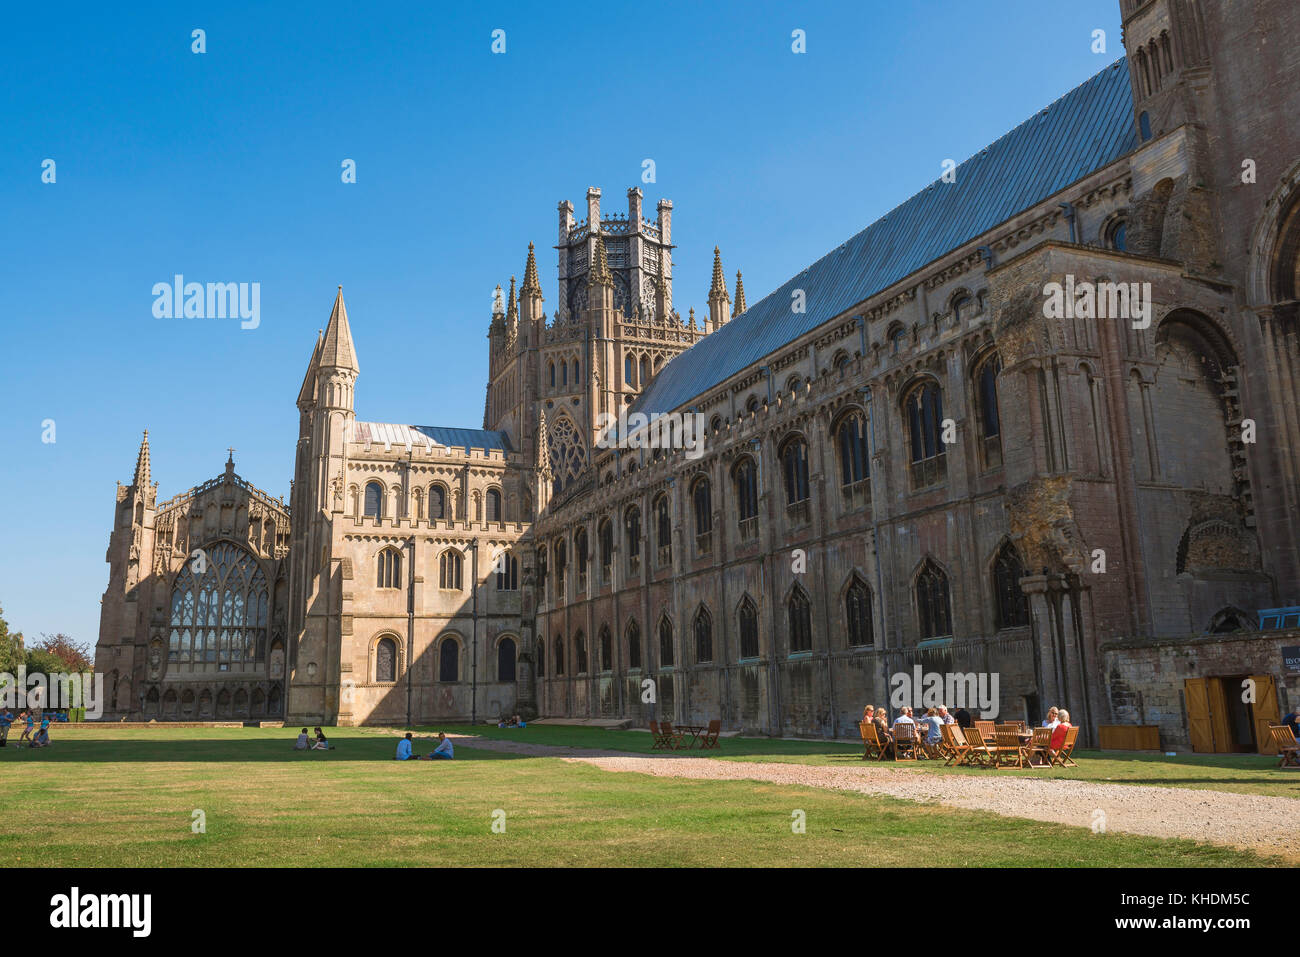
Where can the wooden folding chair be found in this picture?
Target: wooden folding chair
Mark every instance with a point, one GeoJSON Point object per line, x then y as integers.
{"type": "Point", "coordinates": [954, 744]}
{"type": "Point", "coordinates": [1039, 747]}
{"type": "Point", "coordinates": [979, 751]}
{"type": "Point", "coordinates": [905, 744]}
{"type": "Point", "coordinates": [1288, 748]}
{"type": "Point", "coordinates": [1062, 757]}
{"type": "Point", "coordinates": [657, 737]}
{"type": "Point", "coordinates": [986, 729]}
{"type": "Point", "coordinates": [672, 739]}
{"type": "Point", "coordinates": [709, 739]}
{"type": "Point", "coordinates": [1011, 753]}
{"type": "Point", "coordinates": [871, 746]}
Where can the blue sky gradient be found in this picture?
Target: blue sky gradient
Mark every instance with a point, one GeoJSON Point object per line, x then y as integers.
{"type": "Point", "coordinates": [225, 166]}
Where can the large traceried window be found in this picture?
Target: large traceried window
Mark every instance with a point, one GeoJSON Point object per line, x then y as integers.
{"type": "Point", "coordinates": [450, 566]}
{"type": "Point", "coordinates": [665, 643]}
{"type": "Point", "coordinates": [923, 407]}
{"type": "Point", "coordinates": [389, 569]}
{"type": "Point", "coordinates": [986, 410]}
{"type": "Point", "coordinates": [703, 635]}
{"type": "Point", "coordinates": [748, 616]}
{"type": "Point", "coordinates": [745, 477]}
{"type": "Point", "coordinates": [1009, 601]}
{"type": "Point", "coordinates": [568, 452]}
{"type": "Point", "coordinates": [855, 468]}
{"type": "Point", "coordinates": [857, 613]}
{"type": "Point", "coordinates": [218, 613]}
{"type": "Point", "coordinates": [934, 613]}
{"type": "Point", "coordinates": [799, 609]}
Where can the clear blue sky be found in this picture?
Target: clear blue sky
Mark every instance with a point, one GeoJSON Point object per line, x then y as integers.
{"type": "Point", "coordinates": [225, 166]}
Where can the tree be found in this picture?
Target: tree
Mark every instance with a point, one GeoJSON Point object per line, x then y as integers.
{"type": "Point", "coordinates": [70, 655]}
{"type": "Point", "coordinates": [12, 652]}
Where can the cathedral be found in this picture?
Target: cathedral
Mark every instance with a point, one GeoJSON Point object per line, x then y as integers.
{"type": "Point", "coordinates": [911, 463]}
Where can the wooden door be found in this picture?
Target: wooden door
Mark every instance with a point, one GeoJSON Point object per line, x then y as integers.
{"type": "Point", "coordinates": [1220, 716]}
{"type": "Point", "coordinates": [1265, 712]}
{"type": "Point", "coordinates": [1196, 693]}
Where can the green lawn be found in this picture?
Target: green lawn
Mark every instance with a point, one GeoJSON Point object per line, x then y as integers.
{"type": "Point", "coordinates": [1244, 773]}
{"type": "Point", "coordinates": [117, 797]}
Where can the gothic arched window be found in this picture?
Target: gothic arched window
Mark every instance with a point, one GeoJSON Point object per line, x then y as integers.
{"type": "Point", "coordinates": [665, 643]}
{"type": "Point", "coordinates": [606, 650]}
{"type": "Point", "coordinates": [567, 451]}
{"type": "Point", "coordinates": [663, 530]}
{"type": "Point", "coordinates": [506, 659]}
{"type": "Point", "coordinates": [450, 566]}
{"type": "Point", "coordinates": [986, 409]}
{"type": "Point", "coordinates": [628, 371]}
{"type": "Point", "coordinates": [1009, 601]}
{"type": "Point", "coordinates": [437, 503]}
{"type": "Point", "coordinates": [800, 614]}
{"type": "Point", "coordinates": [633, 645]}
{"type": "Point", "coordinates": [551, 366]}
{"type": "Point", "coordinates": [794, 469]}
{"type": "Point", "coordinates": [449, 660]}
{"type": "Point", "coordinates": [703, 635]}
{"type": "Point", "coordinates": [632, 524]}
{"type": "Point", "coordinates": [855, 463]}
{"type": "Point", "coordinates": [493, 505]}
{"type": "Point", "coordinates": [386, 660]}
{"type": "Point", "coordinates": [507, 572]}
{"type": "Point", "coordinates": [218, 612]}
{"type": "Point", "coordinates": [703, 503]}
{"type": "Point", "coordinates": [606, 533]}
{"type": "Point", "coordinates": [933, 611]}
{"type": "Point", "coordinates": [745, 476]}
{"type": "Point", "coordinates": [857, 613]}
{"type": "Point", "coordinates": [559, 654]}
{"type": "Point", "coordinates": [389, 561]}
{"type": "Point", "coordinates": [748, 617]}
{"type": "Point", "coordinates": [580, 652]}
{"type": "Point", "coordinates": [541, 658]}
{"type": "Point", "coordinates": [374, 499]}
{"type": "Point", "coordinates": [923, 407]}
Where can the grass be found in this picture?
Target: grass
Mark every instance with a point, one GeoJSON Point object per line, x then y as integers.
{"type": "Point", "coordinates": [1239, 773]}
{"type": "Point", "coordinates": [118, 797]}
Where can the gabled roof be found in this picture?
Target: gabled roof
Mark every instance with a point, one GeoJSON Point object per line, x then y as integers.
{"type": "Point", "coordinates": [389, 434]}
{"type": "Point", "coordinates": [1085, 130]}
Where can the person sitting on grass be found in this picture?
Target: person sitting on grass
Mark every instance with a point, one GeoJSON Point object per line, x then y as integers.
{"type": "Point", "coordinates": [1058, 733]}
{"type": "Point", "coordinates": [301, 744]}
{"type": "Point", "coordinates": [42, 739]}
{"type": "Point", "coordinates": [1053, 718]}
{"type": "Point", "coordinates": [321, 744]}
{"type": "Point", "coordinates": [403, 747]}
{"type": "Point", "coordinates": [444, 750]}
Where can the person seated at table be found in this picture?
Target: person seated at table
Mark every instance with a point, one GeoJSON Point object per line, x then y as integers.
{"type": "Point", "coordinates": [904, 717]}
{"type": "Point", "coordinates": [933, 734]}
{"type": "Point", "coordinates": [403, 747]}
{"type": "Point", "coordinates": [945, 717]}
{"type": "Point", "coordinates": [882, 731]}
{"type": "Point", "coordinates": [1292, 721]}
{"type": "Point", "coordinates": [1058, 733]}
{"type": "Point", "coordinates": [868, 715]}
{"type": "Point", "coordinates": [1053, 718]}
{"type": "Point", "coordinates": [963, 717]}
{"type": "Point", "coordinates": [444, 751]}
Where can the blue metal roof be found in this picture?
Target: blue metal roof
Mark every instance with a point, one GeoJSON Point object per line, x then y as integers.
{"type": "Point", "coordinates": [1088, 128]}
{"type": "Point", "coordinates": [388, 434]}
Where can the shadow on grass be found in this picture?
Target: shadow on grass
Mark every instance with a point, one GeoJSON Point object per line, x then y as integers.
{"type": "Point", "coordinates": [82, 750]}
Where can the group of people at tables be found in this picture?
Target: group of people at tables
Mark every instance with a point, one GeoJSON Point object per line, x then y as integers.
{"type": "Point", "coordinates": [928, 728]}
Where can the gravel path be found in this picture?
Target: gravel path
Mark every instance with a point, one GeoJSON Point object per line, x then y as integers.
{"type": "Point", "coordinates": [1265, 824]}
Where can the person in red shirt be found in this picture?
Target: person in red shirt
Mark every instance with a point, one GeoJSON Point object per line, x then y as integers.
{"type": "Point", "coordinates": [1058, 733]}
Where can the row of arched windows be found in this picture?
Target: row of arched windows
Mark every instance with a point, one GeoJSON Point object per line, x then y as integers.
{"type": "Point", "coordinates": [638, 371]}
{"type": "Point", "coordinates": [451, 570]}
{"type": "Point", "coordinates": [434, 508]}
{"type": "Point", "coordinates": [564, 367]}
{"type": "Point", "coordinates": [387, 666]}
{"type": "Point", "coordinates": [933, 613]}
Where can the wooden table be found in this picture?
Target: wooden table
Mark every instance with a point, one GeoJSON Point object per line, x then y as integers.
{"type": "Point", "coordinates": [694, 730]}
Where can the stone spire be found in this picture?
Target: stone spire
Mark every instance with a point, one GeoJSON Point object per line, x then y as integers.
{"type": "Point", "coordinates": [531, 285]}
{"type": "Point", "coordinates": [599, 274]}
{"type": "Point", "coordinates": [691, 325]}
{"type": "Point", "coordinates": [512, 305]}
{"type": "Point", "coordinates": [740, 294]}
{"type": "Point", "coordinates": [662, 305]}
{"type": "Point", "coordinates": [719, 301]}
{"type": "Point", "coordinates": [142, 478]}
{"type": "Point", "coordinates": [337, 351]}
{"type": "Point", "coordinates": [307, 394]}
{"type": "Point", "coordinates": [542, 461]}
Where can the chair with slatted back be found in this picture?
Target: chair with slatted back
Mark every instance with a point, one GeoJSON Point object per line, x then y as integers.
{"type": "Point", "coordinates": [1062, 756]}
{"type": "Point", "coordinates": [871, 746]}
{"type": "Point", "coordinates": [980, 751]}
{"type": "Point", "coordinates": [656, 736]}
{"type": "Point", "coordinates": [1038, 748]}
{"type": "Point", "coordinates": [905, 742]}
{"type": "Point", "coordinates": [709, 739]}
{"type": "Point", "coordinates": [672, 739]}
{"type": "Point", "coordinates": [1011, 753]}
{"type": "Point", "coordinates": [956, 749]}
{"type": "Point", "coordinates": [987, 729]}
{"type": "Point", "coordinates": [1288, 748]}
